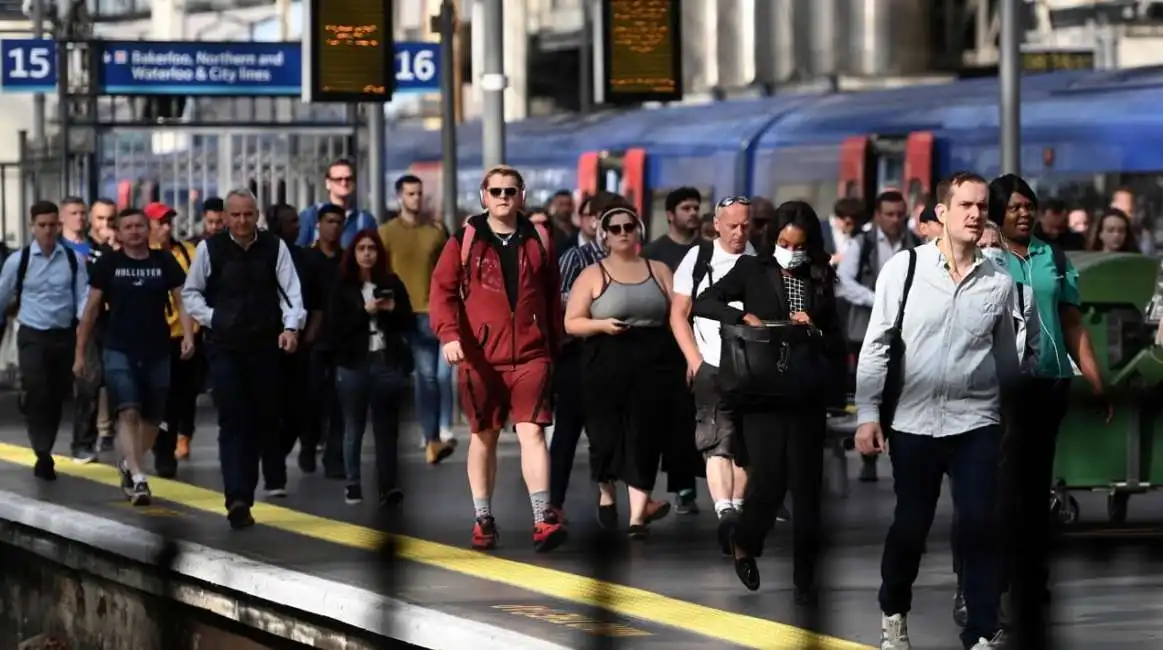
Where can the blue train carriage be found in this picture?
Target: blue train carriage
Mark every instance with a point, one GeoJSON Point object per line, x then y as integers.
{"type": "Point", "coordinates": [646, 154]}
{"type": "Point", "coordinates": [545, 150]}
{"type": "Point", "coordinates": [856, 144]}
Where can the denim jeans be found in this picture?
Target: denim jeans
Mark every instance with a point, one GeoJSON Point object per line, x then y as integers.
{"type": "Point", "coordinates": [919, 466]}
{"type": "Point", "coordinates": [375, 384]}
{"type": "Point", "coordinates": [433, 381]}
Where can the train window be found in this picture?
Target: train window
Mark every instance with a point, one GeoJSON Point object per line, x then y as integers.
{"type": "Point", "coordinates": [890, 171]}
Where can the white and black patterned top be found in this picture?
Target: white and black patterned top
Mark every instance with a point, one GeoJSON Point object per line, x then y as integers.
{"type": "Point", "coordinates": [795, 291]}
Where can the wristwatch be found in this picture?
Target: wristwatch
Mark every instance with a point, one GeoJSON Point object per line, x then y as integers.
{"type": "Point", "coordinates": [290, 330]}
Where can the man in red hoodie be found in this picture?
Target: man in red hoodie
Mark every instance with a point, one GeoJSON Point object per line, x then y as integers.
{"type": "Point", "coordinates": [496, 309]}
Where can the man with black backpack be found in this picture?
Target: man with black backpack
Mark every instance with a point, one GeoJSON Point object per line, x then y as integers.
{"type": "Point", "coordinates": [50, 286]}
{"type": "Point", "coordinates": [242, 287]}
{"type": "Point", "coordinates": [715, 424]}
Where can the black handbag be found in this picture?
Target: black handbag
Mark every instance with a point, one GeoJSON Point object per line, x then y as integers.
{"type": "Point", "coordinates": [780, 362]}
{"type": "Point", "coordinates": [894, 375]}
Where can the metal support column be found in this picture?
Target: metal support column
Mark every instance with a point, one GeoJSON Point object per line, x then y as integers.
{"type": "Point", "coordinates": [448, 99]}
{"type": "Point", "coordinates": [376, 132]}
{"type": "Point", "coordinates": [585, 73]}
{"type": "Point", "coordinates": [64, 108]}
{"type": "Point", "coordinates": [1009, 76]}
{"type": "Point", "coordinates": [38, 100]}
{"type": "Point", "coordinates": [493, 84]}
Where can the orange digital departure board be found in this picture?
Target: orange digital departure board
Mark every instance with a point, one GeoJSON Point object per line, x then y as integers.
{"type": "Point", "coordinates": [352, 57]}
{"type": "Point", "coordinates": [642, 51]}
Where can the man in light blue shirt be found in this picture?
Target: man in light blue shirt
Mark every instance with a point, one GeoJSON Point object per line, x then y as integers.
{"type": "Point", "coordinates": [340, 181]}
{"type": "Point", "coordinates": [51, 285]}
{"type": "Point", "coordinates": [959, 351]}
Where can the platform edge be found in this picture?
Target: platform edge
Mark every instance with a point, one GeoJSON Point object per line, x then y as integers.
{"type": "Point", "coordinates": [318, 597]}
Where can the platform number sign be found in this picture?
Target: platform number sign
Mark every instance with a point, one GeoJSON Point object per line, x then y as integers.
{"type": "Point", "coordinates": [28, 66]}
{"type": "Point", "coordinates": [417, 67]}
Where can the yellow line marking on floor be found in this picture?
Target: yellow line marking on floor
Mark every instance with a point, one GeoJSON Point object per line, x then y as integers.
{"type": "Point", "coordinates": [739, 629]}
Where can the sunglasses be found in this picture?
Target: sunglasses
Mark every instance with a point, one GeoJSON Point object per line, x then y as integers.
{"type": "Point", "coordinates": [498, 192]}
{"type": "Point", "coordinates": [342, 179]}
{"type": "Point", "coordinates": [729, 201]}
{"type": "Point", "coordinates": [621, 228]}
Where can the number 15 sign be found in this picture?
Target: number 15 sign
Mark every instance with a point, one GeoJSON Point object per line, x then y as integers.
{"type": "Point", "coordinates": [28, 66]}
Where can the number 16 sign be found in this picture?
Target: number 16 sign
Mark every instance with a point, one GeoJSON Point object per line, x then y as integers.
{"type": "Point", "coordinates": [28, 66]}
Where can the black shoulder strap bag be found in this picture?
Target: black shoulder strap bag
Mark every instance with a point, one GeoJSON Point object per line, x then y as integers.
{"type": "Point", "coordinates": [894, 376]}
{"type": "Point", "coordinates": [778, 363]}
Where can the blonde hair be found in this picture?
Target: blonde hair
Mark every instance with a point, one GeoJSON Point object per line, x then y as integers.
{"type": "Point", "coordinates": [502, 170]}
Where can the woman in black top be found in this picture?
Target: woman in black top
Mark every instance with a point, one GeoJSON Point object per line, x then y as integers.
{"type": "Point", "coordinates": [368, 316]}
{"type": "Point", "coordinates": [784, 442]}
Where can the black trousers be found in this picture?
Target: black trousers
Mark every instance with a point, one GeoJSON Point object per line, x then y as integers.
{"type": "Point", "coordinates": [785, 450]}
{"type": "Point", "coordinates": [919, 466]}
{"type": "Point", "coordinates": [245, 394]}
{"type": "Point", "coordinates": [187, 376]}
{"type": "Point", "coordinates": [86, 393]}
{"type": "Point", "coordinates": [46, 371]}
{"type": "Point", "coordinates": [568, 422]}
{"type": "Point", "coordinates": [325, 415]}
{"type": "Point", "coordinates": [1027, 475]}
{"type": "Point", "coordinates": [291, 416]}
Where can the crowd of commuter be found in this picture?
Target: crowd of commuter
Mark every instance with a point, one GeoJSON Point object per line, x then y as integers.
{"type": "Point", "coordinates": [717, 350]}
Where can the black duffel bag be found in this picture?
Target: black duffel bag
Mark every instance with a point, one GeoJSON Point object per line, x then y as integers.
{"type": "Point", "coordinates": [778, 363]}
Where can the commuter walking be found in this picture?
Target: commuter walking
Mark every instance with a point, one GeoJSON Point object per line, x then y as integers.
{"type": "Point", "coordinates": [861, 266]}
{"type": "Point", "coordinates": [791, 282]}
{"type": "Point", "coordinates": [325, 420]}
{"type": "Point", "coordinates": [1113, 233]}
{"type": "Point", "coordinates": [620, 308]}
{"type": "Point", "coordinates": [341, 191]}
{"type": "Point", "coordinates": [244, 290]}
{"type": "Point", "coordinates": [369, 318]}
{"type": "Point", "coordinates": [569, 416]}
{"type": "Point", "coordinates": [716, 425]}
{"type": "Point", "coordinates": [1064, 343]}
{"type": "Point", "coordinates": [213, 218]}
{"type": "Point", "coordinates": [50, 286]}
{"type": "Point", "coordinates": [413, 242]}
{"type": "Point", "coordinates": [944, 312]}
{"type": "Point", "coordinates": [680, 458]}
{"type": "Point", "coordinates": [138, 285]}
{"type": "Point", "coordinates": [495, 307]}
{"type": "Point", "coordinates": [186, 372]}
{"type": "Point", "coordinates": [102, 239]}
{"type": "Point", "coordinates": [293, 407]}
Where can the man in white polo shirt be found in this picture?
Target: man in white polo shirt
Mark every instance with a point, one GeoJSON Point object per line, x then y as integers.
{"type": "Point", "coordinates": [715, 426]}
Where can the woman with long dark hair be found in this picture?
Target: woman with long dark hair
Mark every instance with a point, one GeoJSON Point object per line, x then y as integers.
{"type": "Point", "coordinates": [366, 323]}
{"type": "Point", "coordinates": [620, 307]}
{"type": "Point", "coordinates": [789, 280]}
{"type": "Point", "coordinates": [1113, 233]}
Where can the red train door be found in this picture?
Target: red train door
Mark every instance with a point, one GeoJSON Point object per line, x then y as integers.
{"type": "Point", "coordinates": [919, 166]}
{"type": "Point", "coordinates": [622, 172]}
{"type": "Point", "coordinates": [856, 171]}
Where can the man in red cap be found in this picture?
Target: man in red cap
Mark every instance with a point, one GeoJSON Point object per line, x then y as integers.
{"type": "Point", "coordinates": [174, 434]}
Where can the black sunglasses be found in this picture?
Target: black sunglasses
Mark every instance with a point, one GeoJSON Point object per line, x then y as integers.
{"type": "Point", "coordinates": [497, 192]}
{"type": "Point", "coordinates": [620, 228]}
{"type": "Point", "coordinates": [729, 201]}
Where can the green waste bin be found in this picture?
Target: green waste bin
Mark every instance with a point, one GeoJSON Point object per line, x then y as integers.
{"type": "Point", "coordinates": [1125, 456]}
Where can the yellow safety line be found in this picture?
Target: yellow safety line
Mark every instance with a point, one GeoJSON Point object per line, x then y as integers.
{"type": "Point", "coordinates": [739, 629]}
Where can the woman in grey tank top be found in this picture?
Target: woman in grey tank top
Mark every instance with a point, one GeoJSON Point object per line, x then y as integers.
{"type": "Point", "coordinates": [620, 308]}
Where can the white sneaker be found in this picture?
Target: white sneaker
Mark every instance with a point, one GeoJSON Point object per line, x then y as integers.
{"type": "Point", "coordinates": [998, 641]}
{"type": "Point", "coordinates": [894, 632]}
{"type": "Point", "coordinates": [446, 435]}
{"type": "Point", "coordinates": [423, 442]}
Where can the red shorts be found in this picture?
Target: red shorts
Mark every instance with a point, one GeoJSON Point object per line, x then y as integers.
{"type": "Point", "coordinates": [492, 396]}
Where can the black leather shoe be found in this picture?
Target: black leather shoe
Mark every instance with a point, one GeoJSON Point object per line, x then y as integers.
{"type": "Point", "coordinates": [960, 612]}
{"type": "Point", "coordinates": [748, 572]}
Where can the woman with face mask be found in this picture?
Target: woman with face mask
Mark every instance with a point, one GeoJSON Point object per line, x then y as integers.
{"type": "Point", "coordinates": [790, 280]}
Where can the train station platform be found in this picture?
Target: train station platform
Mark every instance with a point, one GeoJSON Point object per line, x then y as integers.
{"type": "Point", "coordinates": [671, 591]}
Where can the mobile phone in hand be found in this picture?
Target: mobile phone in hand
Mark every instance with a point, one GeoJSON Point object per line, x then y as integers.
{"type": "Point", "coordinates": [384, 294]}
